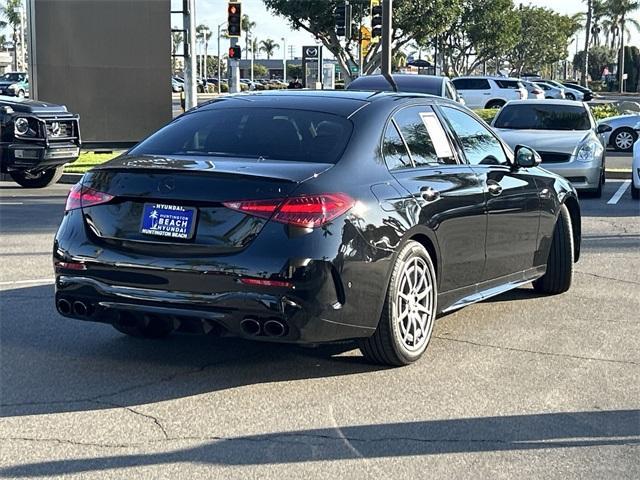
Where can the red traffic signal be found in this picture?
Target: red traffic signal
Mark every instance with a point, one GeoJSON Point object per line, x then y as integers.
{"type": "Point", "coordinates": [235, 52]}
{"type": "Point", "coordinates": [234, 19]}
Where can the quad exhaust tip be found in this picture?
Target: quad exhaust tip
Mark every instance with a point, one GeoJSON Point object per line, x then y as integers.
{"type": "Point", "coordinates": [64, 306]}
{"type": "Point", "coordinates": [274, 328]}
{"type": "Point", "coordinates": [251, 326]}
{"type": "Point", "coordinates": [80, 308]}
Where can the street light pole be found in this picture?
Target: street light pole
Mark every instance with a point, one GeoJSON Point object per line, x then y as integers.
{"type": "Point", "coordinates": [284, 60]}
{"type": "Point", "coordinates": [621, 67]}
{"type": "Point", "coordinates": [189, 25]}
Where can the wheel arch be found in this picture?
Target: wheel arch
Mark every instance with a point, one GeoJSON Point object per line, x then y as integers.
{"type": "Point", "coordinates": [576, 225]}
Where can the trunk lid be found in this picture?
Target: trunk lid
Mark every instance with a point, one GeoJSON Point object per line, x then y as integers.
{"type": "Point", "coordinates": [152, 190]}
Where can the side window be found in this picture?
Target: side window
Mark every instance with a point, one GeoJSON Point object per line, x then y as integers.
{"type": "Point", "coordinates": [480, 146]}
{"type": "Point", "coordinates": [393, 149]}
{"type": "Point", "coordinates": [421, 130]}
{"type": "Point", "coordinates": [461, 83]}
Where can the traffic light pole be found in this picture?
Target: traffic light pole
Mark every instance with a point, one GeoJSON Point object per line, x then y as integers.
{"type": "Point", "coordinates": [234, 71]}
{"type": "Point", "coordinates": [387, 9]}
{"type": "Point", "coordinates": [189, 25]}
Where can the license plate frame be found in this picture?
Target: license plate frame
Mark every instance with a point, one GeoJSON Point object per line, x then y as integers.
{"type": "Point", "coordinates": [173, 222]}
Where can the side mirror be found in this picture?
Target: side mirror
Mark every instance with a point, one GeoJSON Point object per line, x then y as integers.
{"type": "Point", "coordinates": [603, 128]}
{"type": "Point", "coordinates": [526, 157]}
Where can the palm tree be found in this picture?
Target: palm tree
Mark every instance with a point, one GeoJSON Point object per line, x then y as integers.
{"type": "Point", "coordinates": [203, 34]}
{"type": "Point", "coordinates": [11, 12]}
{"type": "Point", "coordinates": [246, 25]}
{"type": "Point", "coordinates": [269, 47]}
{"type": "Point", "coordinates": [587, 42]}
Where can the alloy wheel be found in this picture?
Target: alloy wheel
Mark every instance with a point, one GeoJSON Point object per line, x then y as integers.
{"type": "Point", "coordinates": [624, 140]}
{"type": "Point", "coordinates": [414, 304]}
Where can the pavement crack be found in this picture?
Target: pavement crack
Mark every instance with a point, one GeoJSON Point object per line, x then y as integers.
{"type": "Point", "coordinates": [155, 420]}
{"type": "Point", "coordinates": [538, 352]}
{"type": "Point", "coordinates": [603, 277]}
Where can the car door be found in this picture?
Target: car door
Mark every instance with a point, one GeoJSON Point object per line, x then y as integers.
{"type": "Point", "coordinates": [448, 194]}
{"type": "Point", "coordinates": [512, 201]}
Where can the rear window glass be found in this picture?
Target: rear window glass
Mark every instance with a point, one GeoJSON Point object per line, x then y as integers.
{"type": "Point", "coordinates": [509, 84]}
{"type": "Point", "coordinates": [543, 117]}
{"type": "Point", "coordinates": [411, 85]}
{"type": "Point", "coordinates": [270, 133]}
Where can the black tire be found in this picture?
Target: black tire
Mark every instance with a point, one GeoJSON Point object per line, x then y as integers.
{"type": "Point", "coordinates": [559, 274]}
{"type": "Point", "coordinates": [147, 327]}
{"type": "Point", "coordinates": [495, 104]}
{"type": "Point", "coordinates": [570, 96]}
{"type": "Point", "coordinates": [386, 346]}
{"type": "Point", "coordinates": [37, 180]}
{"type": "Point", "coordinates": [20, 94]}
{"type": "Point", "coordinates": [626, 133]}
{"type": "Point", "coordinates": [635, 192]}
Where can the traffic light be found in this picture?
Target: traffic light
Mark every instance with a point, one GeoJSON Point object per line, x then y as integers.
{"type": "Point", "coordinates": [235, 52]}
{"type": "Point", "coordinates": [234, 19]}
{"type": "Point", "coordinates": [341, 19]}
{"type": "Point", "coordinates": [376, 19]}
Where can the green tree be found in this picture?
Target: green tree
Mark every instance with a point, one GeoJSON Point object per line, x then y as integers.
{"type": "Point", "coordinates": [599, 57]}
{"type": "Point", "coordinates": [269, 47]}
{"type": "Point", "coordinates": [484, 30]}
{"type": "Point", "coordinates": [260, 71]}
{"type": "Point", "coordinates": [544, 39]}
{"type": "Point", "coordinates": [418, 20]}
{"type": "Point", "coordinates": [247, 27]}
{"type": "Point", "coordinates": [294, 71]}
{"type": "Point", "coordinates": [10, 11]}
{"type": "Point", "coordinates": [203, 35]}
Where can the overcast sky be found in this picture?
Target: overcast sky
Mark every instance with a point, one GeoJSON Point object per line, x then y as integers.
{"type": "Point", "coordinates": [214, 12]}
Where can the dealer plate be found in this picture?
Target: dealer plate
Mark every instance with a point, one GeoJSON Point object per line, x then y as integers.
{"type": "Point", "coordinates": [170, 221]}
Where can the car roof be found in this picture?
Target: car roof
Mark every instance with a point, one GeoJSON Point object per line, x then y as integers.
{"type": "Point", "coordinates": [338, 102]}
{"type": "Point", "coordinates": [489, 77]}
{"type": "Point", "coordinates": [546, 102]}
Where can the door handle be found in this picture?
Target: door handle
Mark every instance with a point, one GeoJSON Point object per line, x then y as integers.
{"type": "Point", "coordinates": [494, 189]}
{"type": "Point", "coordinates": [429, 194]}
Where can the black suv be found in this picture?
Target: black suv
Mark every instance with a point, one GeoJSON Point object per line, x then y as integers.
{"type": "Point", "coordinates": [36, 140]}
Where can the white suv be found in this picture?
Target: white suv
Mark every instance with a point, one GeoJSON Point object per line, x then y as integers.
{"type": "Point", "coordinates": [489, 92]}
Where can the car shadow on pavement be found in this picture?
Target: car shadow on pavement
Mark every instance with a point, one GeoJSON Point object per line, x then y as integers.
{"type": "Point", "coordinates": [461, 435]}
{"type": "Point", "coordinates": [51, 364]}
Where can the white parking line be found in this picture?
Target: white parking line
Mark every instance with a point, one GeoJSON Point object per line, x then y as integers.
{"type": "Point", "coordinates": [618, 195]}
{"type": "Point", "coordinates": [35, 280]}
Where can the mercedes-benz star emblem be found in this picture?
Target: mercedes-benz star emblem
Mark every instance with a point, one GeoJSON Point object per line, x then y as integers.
{"type": "Point", "coordinates": [55, 129]}
{"type": "Point", "coordinates": [166, 185]}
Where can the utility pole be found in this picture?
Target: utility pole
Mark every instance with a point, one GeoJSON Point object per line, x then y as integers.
{"type": "Point", "coordinates": [189, 25]}
{"type": "Point", "coordinates": [387, 12]}
{"type": "Point", "coordinates": [621, 67]}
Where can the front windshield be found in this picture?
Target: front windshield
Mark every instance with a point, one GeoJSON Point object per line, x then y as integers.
{"type": "Point", "coordinates": [543, 117]}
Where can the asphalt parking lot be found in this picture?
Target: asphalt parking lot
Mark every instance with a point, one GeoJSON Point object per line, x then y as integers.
{"type": "Point", "coordinates": [521, 386]}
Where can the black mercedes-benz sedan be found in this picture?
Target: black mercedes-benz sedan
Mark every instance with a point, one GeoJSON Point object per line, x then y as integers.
{"type": "Point", "coordinates": [313, 217]}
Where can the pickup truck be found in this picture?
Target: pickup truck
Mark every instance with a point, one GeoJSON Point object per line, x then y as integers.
{"type": "Point", "coordinates": [36, 140]}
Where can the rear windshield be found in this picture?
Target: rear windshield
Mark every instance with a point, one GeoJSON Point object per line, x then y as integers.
{"type": "Point", "coordinates": [543, 117]}
{"type": "Point", "coordinates": [411, 85]}
{"type": "Point", "coordinates": [253, 132]}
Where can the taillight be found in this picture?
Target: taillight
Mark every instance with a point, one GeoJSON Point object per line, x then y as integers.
{"type": "Point", "coordinates": [537, 92]}
{"type": "Point", "coordinates": [309, 211]}
{"type": "Point", "coordinates": [80, 196]}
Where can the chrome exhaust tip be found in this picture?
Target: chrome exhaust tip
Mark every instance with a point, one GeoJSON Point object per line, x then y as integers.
{"type": "Point", "coordinates": [80, 309]}
{"type": "Point", "coordinates": [251, 327]}
{"type": "Point", "coordinates": [64, 306]}
{"type": "Point", "coordinates": [274, 328]}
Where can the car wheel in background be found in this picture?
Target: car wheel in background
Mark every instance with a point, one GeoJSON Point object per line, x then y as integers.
{"type": "Point", "coordinates": [570, 96]}
{"type": "Point", "coordinates": [495, 104]}
{"type": "Point", "coordinates": [21, 94]}
{"type": "Point", "coordinates": [40, 179]}
{"type": "Point", "coordinates": [623, 139]}
{"type": "Point", "coordinates": [409, 311]}
{"type": "Point", "coordinates": [559, 274]}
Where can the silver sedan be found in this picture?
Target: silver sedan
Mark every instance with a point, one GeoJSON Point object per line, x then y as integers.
{"type": "Point", "coordinates": [622, 135]}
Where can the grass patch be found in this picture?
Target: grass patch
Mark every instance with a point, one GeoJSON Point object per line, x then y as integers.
{"type": "Point", "coordinates": [89, 160]}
